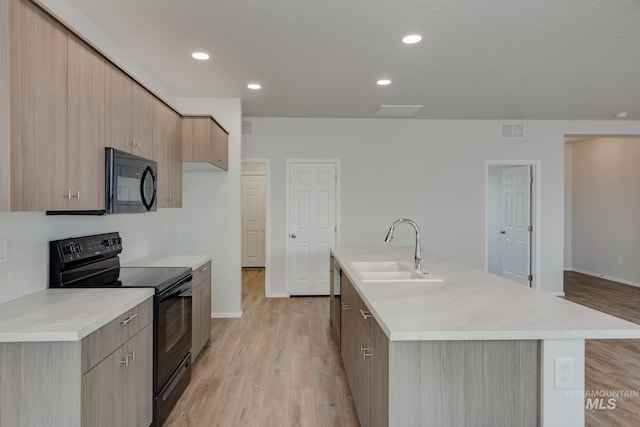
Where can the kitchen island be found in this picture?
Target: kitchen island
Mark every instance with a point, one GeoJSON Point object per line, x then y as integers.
{"type": "Point", "coordinates": [472, 349]}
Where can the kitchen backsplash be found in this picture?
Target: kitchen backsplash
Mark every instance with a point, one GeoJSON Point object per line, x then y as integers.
{"type": "Point", "coordinates": [27, 236]}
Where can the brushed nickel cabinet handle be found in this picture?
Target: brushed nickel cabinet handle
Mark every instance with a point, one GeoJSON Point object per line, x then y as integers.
{"type": "Point", "coordinates": [128, 319]}
{"type": "Point", "coordinates": [203, 269]}
{"type": "Point", "coordinates": [67, 195]}
{"type": "Point", "coordinates": [125, 362]}
{"type": "Point", "coordinates": [77, 195]}
{"type": "Point", "coordinates": [131, 355]}
{"type": "Point", "coordinates": [365, 313]}
{"type": "Point", "coordinates": [345, 307]}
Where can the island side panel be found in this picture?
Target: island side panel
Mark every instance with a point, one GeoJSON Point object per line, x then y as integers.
{"type": "Point", "coordinates": [464, 383]}
{"type": "Point", "coordinates": [40, 384]}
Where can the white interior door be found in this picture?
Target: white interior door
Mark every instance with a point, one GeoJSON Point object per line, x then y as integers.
{"type": "Point", "coordinates": [253, 220]}
{"type": "Point", "coordinates": [312, 226]}
{"type": "Point", "coordinates": [516, 224]}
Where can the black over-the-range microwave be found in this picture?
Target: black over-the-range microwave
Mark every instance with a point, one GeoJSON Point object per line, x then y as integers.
{"type": "Point", "coordinates": [131, 185]}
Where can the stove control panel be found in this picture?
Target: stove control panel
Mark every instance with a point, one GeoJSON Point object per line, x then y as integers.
{"type": "Point", "coordinates": [79, 248]}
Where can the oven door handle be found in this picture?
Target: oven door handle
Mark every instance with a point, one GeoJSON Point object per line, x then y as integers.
{"type": "Point", "coordinates": [178, 289]}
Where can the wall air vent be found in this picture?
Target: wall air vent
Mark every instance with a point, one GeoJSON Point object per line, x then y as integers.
{"type": "Point", "coordinates": [512, 130]}
{"type": "Point", "coordinates": [397, 110]}
{"type": "Point", "coordinates": [247, 127]}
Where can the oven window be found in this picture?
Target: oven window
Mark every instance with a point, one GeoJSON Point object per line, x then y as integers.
{"type": "Point", "coordinates": [177, 327]}
{"type": "Point", "coordinates": [174, 334]}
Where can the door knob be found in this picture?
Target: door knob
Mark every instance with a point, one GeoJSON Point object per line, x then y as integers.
{"type": "Point", "coordinates": [293, 236]}
{"type": "Point", "coordinates": [503, 232]}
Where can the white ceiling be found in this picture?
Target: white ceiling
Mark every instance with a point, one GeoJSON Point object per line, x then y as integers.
{"type": "Point", "coordinates": [489, 59]}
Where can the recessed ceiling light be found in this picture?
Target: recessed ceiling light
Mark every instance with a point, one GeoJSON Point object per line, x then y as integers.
{"type": "Point", "coordinates": [412, 38]}
{"type": "Point", "coordinates": [622, 114]}
{"type": "Point", "coordinates": [384, 82]}
{"type": "Point", "coordinates": [201, 56]}
{"type": "Point", "coordinates": [254, 86]}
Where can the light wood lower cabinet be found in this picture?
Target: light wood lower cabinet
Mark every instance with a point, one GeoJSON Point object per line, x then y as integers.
{"type": "Point", "coordinates": [104, 380]}
{"type": "Point", "coordinates": [201, 332]}
{"type": "Point", "coordinates": [435, 383]}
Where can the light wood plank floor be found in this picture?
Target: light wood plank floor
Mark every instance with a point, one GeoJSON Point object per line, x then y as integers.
{"type": "Point", "coordinates": [277, 366]}
{"type": "Point", "coordinates": [609, 364]}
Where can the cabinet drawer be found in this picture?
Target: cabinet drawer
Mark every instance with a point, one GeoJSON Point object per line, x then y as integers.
{"type": "Point", "coordinates": [105, 340]}
{"type": "Point", "coordinates": [201, 273]}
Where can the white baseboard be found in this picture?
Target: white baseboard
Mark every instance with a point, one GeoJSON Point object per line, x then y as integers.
{"type": "Point", "coordinates": [604, 276]}
{"type": "Point", "coordinates": [277, 295]}
{"type": "Point", "coordinates": [227, 315]}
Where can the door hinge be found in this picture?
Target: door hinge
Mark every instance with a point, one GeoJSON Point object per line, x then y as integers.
{"type": "Point", "coordinates": [530, 278]}
{"type": "Point", "coordinates": [335, 229]}
{"type": "Point", "coordinates": [530, 228]}
{"type": "Point", "coordinates": [335, 178]}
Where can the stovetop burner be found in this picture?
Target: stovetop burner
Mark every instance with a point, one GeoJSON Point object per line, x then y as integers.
{"type": "Point", "coordinates": [94, 262]}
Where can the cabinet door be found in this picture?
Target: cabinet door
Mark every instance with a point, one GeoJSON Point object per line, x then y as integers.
{"type": "Point", "coordinates": [348, 331]}
{"type": "Point", "coordinates": [38, 105]}
{"type": "Point", "coordinates": [196, 324]}
{"type": "Point", "coordinates": [102, 397]}
{"type": "Point", "coordinates": [142, 115]}
{"type": "Point", "coordinates": [379, 374]}
{"type": "Point", "coordinates": [138, 380]}
{"type": "Point", "coordinates": [118, 123]}
{"type": "Point", "coordinates": [205, 311]}
{"type": "Point", "coordinates": [167, 152]}
{"type": "Point", "coordinates": [220, 147]}
{"type": "Point", "coordinates": [196, 143]}
{"type": "Point", "coordinates": [86, 126]}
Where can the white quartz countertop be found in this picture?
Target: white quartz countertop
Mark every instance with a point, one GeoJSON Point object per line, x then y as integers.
{"type": "Point", "coordinates": [471, 304]}
{"type": "Point", "coordinates": [193, 261]}
{"type": "Point", "coordinates": [65, 314]}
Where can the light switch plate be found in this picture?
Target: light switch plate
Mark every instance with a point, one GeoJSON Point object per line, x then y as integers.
{"type": "Point", "coordinates": [4, 250]}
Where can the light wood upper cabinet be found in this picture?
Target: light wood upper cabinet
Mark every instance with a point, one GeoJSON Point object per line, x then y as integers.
{"type": "Point", "coordinates": [204, 141]}
{"type": "Point", "coordinates": [86, 128]}
{"type": "Point", "coordinates": [220, 147]}
{"type": "Point", "coordinates": [129, 114]}
{"type": "Point", "coordinates": [167, 152]}
{"type": "Point", "coordinates": [38, 109]}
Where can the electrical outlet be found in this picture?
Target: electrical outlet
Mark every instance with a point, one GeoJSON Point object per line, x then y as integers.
{"type": "Point", "coordinates": [564, 372]}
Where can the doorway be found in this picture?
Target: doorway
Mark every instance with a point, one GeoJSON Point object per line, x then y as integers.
{"type": "Point", "coordinates": [512, 220]}
{"type": "Point", "coordinates": [256, 217]}
{"type": "Point", "coordinates": [311, 223]}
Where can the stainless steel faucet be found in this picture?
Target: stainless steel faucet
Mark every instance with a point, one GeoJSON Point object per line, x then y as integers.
{"type": "Point", "coordinates": [418, 255]}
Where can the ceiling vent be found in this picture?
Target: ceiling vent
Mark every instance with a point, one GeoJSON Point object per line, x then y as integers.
{"type": "Point", "coordinates": [397, 110]}
{"type": "Point", "coordinates": [512, 130]}
{"type": "Point", "coordinates": [247, 127]}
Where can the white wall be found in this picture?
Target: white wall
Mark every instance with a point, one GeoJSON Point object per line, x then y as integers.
{"type": "Point", "coordinates": [210, 221]}
{"type": "Point", "coordinates": [28, 233]}
{"type": "Point", "coordinates": [429, 170]}
{"type": "Point", "coordinates": [606, 208]}
{"type": "Point", "coordinates": [568, 205]}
